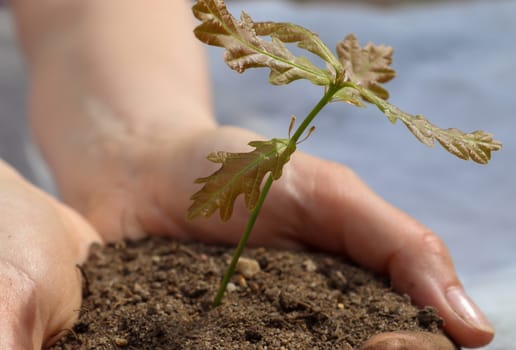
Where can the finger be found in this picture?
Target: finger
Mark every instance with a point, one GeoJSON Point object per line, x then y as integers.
{"type": "Point", "coordinates": [356, 222]}
{"type": "Point", "coordinates": [408, 340]}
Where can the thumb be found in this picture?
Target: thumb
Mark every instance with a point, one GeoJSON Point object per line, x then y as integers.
{"type": "Point", "coordinates": [424, 270]}
{"type": "Point", "coordinates": [343, 215]}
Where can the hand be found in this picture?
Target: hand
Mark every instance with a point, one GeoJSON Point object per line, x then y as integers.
{"type": "Point", "coordinates": [42, 241]}
{"type": "Point", "coordinates": [135, 111]}
{"type": "Point", "coordinates": [145, 188]}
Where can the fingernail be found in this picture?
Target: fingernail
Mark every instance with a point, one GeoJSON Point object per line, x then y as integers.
{"type": "Point", "coordinates": [467, 310]}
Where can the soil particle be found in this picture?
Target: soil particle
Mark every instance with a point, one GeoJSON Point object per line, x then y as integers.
{"type": "Point", "coordinates": [247, 267]}
{"type": "Point", "coordinates": [156, 294]}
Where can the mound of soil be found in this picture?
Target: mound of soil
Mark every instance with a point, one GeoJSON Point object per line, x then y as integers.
{"type": "Point", "coordinates": [156, 294]}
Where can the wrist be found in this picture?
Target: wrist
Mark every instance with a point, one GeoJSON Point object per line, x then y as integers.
{"type": "Point", "coordinates": [103, 76]}
{"type": "Point", "coordinates": [140, 61]}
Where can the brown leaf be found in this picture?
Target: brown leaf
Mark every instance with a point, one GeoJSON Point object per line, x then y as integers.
{"type": "Point", "coordinates": [245, 49]}
{"type": "Point", "coordinates": [476, 145]}
{"type": "Point", "coordinates": [368, 66]}
{"type": "Point", "coordinates": [240, 173]}
{"type": "Point", "coordinates": [305, 39]}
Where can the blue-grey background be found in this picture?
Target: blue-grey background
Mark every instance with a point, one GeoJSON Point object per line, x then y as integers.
{"type": "Point", "coordinates": [456, 64]}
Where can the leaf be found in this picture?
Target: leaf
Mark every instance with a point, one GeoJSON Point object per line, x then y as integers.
{"type": "Point", "coordinates": [368, 66]}
{"type": "Point", "coordinates": [476, 145]}
{"type": "Point", "coordinates": [240, 173]}
{"type": "Point", "coordinates": [245, 49]}
{"type": "Point", "coordinates": [305, 39]}
{"type": "Point", "coordinates": [349, 95]}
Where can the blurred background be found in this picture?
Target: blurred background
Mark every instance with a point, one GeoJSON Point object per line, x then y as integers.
{"type": "Point", "coordinates": [456, 64]}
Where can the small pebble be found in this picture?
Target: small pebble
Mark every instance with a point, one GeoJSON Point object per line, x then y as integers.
{"type": "Point", "coordinates": [309, 265]}
{"type": "Point", "coordinates": [254, 286]}
{"type": "Point", "coordinates": [247, 267]}
{"type": "Point", "coordinates": [138, 288]}
{"type": "Point", "coordinates": [231, 287]}
{"type": "Point", "coordinates": [242, 282]}
{"type": "Point", "coordinates": [121, 342]}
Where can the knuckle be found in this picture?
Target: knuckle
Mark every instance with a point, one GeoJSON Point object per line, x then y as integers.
{"type": "Point", "coordinates": [344, 171]}
{"type": "Point", "coordinates": [431, 243]}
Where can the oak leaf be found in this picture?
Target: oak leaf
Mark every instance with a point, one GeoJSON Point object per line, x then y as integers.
{"type": "Point", "coordinates": [366, 66]}
{"type": "Point", "coordinates": [476, 145]}
{"type": "Point", "coordinates": [305, 39]}
{"type": "Point", "coordinates": [240, 173]}
{"type": "Point", "coordinates": [246, 49]}
{"type": "Point", "coordinates": [355, 76]}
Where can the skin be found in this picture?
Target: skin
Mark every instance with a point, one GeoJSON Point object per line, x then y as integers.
{"type": "Point", "coordinates": [122, 114]}
{"type": "Point", "coordinates": [42, 241]}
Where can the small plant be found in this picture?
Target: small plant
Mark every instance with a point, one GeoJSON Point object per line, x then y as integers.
{"type": "Point", "coordinates": [354, 76]}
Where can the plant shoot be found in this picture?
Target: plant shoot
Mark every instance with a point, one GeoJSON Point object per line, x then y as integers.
{"type": "Point", "coordinates": [354, 75]}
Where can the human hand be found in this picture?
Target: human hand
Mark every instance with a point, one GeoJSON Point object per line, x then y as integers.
{"type": "Point", "coordinates": [145, 188]}
{"type": "Point", "coordinates": [42, 242]}
{"type": "Point", "coordinates": [124, 120]}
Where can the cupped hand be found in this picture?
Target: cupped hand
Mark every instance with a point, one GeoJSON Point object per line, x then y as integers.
{"type": "Point", "coordinates": [121, 111]}
{"type": "Point", "coordinates": [143, 185]}
{"type": "Point", "coordinates": [125, 123]}
{"type": "Point", "coordinates": [42, 242]}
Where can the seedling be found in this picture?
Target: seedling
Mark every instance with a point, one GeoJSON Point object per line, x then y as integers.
{"type": "Point", "coordinates": [355, 75]}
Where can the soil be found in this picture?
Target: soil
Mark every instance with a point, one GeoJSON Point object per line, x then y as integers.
{"type": "Point", "coordinates": [156, 294]}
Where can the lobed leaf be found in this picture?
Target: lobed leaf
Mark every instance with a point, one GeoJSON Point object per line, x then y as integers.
{"type": "Point", "coordinates": [305, 39]}
{"type": "Point", "coordinates": [240, 173]}
{"type": "Point", "coordinates": [476, 145]}
{"type": "Point", "coordinates": [368, 66]}
{"type": "Point", "coordinates": [245, 49]}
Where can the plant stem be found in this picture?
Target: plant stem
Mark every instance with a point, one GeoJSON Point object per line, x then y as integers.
{"type": "Point", "coordinates": [265, 190]}
{"type": "Point", "coordinates": [243, 241]}
{"type": "Point", "coordinates": [313, 113]}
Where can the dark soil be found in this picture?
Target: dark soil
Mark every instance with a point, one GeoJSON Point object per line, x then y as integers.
{"type": "Point", "coordinates": [156, 294]}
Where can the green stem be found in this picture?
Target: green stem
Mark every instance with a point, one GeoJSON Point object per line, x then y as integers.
{"type": "Point", "coordinates": [313, 113]}
{"type": "Point", "coordinates": [265, 190]}
{"type": "Point", "coordinates": [243, 241]}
